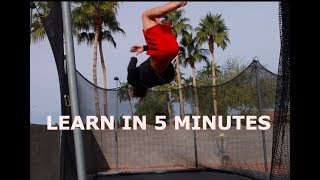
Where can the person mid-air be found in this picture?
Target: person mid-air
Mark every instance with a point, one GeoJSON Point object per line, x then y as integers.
{"type": "Point", "coordinates": [161, 46]}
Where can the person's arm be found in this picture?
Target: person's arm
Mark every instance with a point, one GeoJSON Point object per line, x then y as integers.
{"type": "Point", "coordinates": [149, 16]}
{"type": "Point", "coordinates": [132, 64]}
{"type": "Point", "coordinates": [139, 49]}
{"type": "Point", "coordinates": [132, 71]}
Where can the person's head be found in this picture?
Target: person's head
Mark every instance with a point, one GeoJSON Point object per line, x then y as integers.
{"type": "Point", "coordinates": [138, 92]}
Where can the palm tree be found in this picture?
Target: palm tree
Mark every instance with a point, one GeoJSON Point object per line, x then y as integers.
{"type": "Point", "coordinates": [179, 23]}
{"type": "Point", "coordinates": [187, 81]}
{"type": "Point", "coordinates": [43, 9]}
{"type": "Point", "coordinates": [204, 75]}
{"type": "Point", "coordinates": [95, 22]}
{"type": "Point", "coordinates": [213, 30]}
{"type": "Point", "coordinates": [190, 54]}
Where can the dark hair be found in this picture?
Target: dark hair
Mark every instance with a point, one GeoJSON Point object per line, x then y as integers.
{"type": "Point", "coordinates": [138, 92]}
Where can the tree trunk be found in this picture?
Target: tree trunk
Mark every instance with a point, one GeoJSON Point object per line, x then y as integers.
{"type": "Point", "coordinates": [130, 102]}
{"type": "Point", "coordinates": [169, 107]}
{"type": "Point", "coordinates": [96, 95]}
{"type": "Point", "coordinates": [180, 88]}
{"type": "Point", "coordinates": [214, 93]}
{"type": "Point", "coordinates": [104, 72]}
{"type": "Point", "coordinates": [195, 90]}
{"type": "Point", "coordinates": [131, 109]}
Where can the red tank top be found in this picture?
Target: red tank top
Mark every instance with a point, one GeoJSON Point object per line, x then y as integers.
{"type": "Point", "coordinates": [162, 45]}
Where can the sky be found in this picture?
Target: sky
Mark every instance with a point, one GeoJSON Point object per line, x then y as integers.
{"type": "Point", "coordinates": [253, 31]}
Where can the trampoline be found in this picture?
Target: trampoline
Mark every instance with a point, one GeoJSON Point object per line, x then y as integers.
{"type": "Point", "coordinates": [199, 174]}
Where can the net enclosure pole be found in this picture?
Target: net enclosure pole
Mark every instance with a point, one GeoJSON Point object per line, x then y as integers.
{"type": "Point", "coordinates": [71, 70]}
{"type": "Point", "coordinates": [259, 110]}
{"type": "Point", "coordinates": [116, 124]}
{"type": "Point", "coordinates": [191, 88]}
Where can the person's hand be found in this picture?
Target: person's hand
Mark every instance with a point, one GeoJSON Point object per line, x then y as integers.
{"type": "Point", "coordinates": [184, 3]}
{"type": "Point", "coordinates": [137, 49]}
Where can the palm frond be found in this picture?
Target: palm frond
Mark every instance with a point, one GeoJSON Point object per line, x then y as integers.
{"type": "Point", "coordinates": [97, 15]}
{"type": "Point", "coordinates": [38, 32]}
{"type": "Point", "coordinates": [107, 36]}
{"type": "Point", "coordinates": [212, 25]}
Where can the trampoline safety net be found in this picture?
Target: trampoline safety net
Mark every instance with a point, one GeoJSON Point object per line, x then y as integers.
{"type": "Point", "coordinates": [281, 130]}
{"type": "Point", "coordinates": [242, 151]}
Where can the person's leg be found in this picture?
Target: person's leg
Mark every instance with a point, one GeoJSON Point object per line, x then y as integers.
{"type": "Point", "coordinates": [149, 17]}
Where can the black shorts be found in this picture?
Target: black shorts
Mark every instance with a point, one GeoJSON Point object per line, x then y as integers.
{"type": "Point", "coordinates": [148, 77]}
